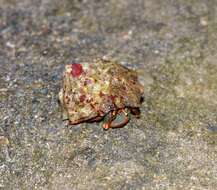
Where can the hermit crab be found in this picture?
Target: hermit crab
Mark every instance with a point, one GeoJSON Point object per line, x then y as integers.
{"type": "Point", "coordinates": [100, 90]}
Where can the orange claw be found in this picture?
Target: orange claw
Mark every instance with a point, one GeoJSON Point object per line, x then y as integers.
{"type": "Point", "coordinates": [106, 126]}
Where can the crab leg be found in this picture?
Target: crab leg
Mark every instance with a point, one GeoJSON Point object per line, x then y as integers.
{"type": "Point", "coordinates": [112, 122]}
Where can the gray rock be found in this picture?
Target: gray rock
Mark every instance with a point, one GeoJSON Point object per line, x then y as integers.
{"type": "Point", "coordinates": [172, 44]}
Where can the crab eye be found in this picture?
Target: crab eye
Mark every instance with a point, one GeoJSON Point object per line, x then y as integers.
{"type": "Point", "coordinates": [77, 69]}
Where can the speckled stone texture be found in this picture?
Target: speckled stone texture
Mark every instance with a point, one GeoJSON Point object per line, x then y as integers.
{"type": "Point", "coordinates": [173, 46]}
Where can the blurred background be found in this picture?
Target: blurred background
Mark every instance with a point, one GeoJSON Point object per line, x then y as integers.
{"type": "Point", "coordinates": [172, 45]}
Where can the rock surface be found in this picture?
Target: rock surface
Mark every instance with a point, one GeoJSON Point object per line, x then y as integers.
{"type": "Point", "coordinates": [173, 46]}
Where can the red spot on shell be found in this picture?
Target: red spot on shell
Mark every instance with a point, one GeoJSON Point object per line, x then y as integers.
{"type": "Point", "coordinates": [77, 70]}
{"type": "Point", "coordinates": [82, 98]}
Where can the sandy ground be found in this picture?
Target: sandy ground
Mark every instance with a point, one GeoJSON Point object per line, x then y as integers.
{"type": "Point", "coordinates": [173, 46]}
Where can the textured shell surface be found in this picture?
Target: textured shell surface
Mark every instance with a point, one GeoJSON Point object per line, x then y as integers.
{"type": "Point", "coordinates": [92, 89]}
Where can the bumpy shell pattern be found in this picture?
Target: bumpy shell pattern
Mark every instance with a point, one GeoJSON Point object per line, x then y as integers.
{"type": "Point", "coordinates": [93, 89]}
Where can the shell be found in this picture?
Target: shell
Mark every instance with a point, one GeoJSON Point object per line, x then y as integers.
{"type": "Point", "coordinates": [93, 89]}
